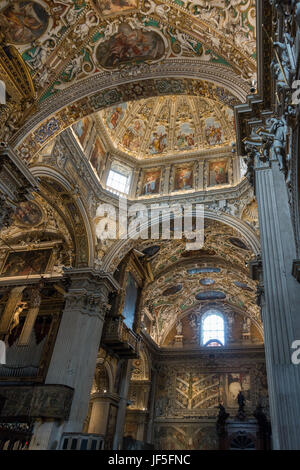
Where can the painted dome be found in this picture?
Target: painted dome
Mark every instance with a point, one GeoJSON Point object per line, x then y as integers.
{"type": "Point", "coordinates": [168, 125]}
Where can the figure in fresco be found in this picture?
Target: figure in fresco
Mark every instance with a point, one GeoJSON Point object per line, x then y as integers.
{"type": "Point", "coordinates": [218, 173]}
{"type": "Point", "coordinates": [133, 135]}
{"type": "Point", "coordinates": [185, 137]}
{"type": "Point", "coordinates": [184, 178]}
{"type": "Point", "coordinates": [114, 6]}
{"type": "Point", "coordinates": [151, 183]}
{"type": "Point", "coordinates": [213, 132]}
{"type": "Point", "coordinates": [115, 115]}
{"type": "Point", "coordinates": [23, 22]}
{"type": "Point", "coordinates": [158, 141]}
{"type": "Point", "coordinates": [25, 262]}
{"type": "Point", "coordinates": [130, 45]}
{"type": "Point", "coordinates": [97, 157]}
{"type": "Point", "coordinates": [28, 213]}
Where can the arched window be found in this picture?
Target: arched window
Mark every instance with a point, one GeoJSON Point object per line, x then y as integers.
{"type": "Point", "coordinates": [213, 329]}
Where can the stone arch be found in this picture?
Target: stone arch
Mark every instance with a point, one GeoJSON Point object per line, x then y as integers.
{"type": "Point", "coordinates": [141, 366]}
{"type": "Point", "coordinates": [106, 89]}
{"type": "Point", "coordinates": [84, 239]}
{"type": "Point", "coordinates": [121, 247]}
{"type": "Point", "coordinates": [223, 308]}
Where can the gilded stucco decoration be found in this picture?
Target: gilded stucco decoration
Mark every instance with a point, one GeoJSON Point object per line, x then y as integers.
{"type": "Point", "coordinates": [63, 43]}
{"type": "Point", "coordinates": [168, 125]}
{"type": "Point", "coordinates": [218, 271]}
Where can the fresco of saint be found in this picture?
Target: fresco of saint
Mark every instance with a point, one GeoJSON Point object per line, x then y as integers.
{"type": "Point", "coordinates": [213, 132]}
{"type": "Point", "coordinates": [81, 129]}
{"type": "Point", "coordinates": [23, 22]}
{"type": "Point", "coordinates": [158, 140]}
{"type": "Point", "coordinates": [151, 182]}
{"type": "Point", "coordinates": [132, 137]}
{"type": "Point", "coordinates": [185, 137]}
{"type": "Point", "coordinates": [183, 178]}
{"type": "Point", "coordinates": [97, 156]}
{"type": "Point", "coordinates": [115, 115]}
{"type": "Point", "coordinates": [218, 173]}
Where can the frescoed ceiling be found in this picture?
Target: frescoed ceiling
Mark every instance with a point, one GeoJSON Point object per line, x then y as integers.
{"type": "Point", "coordinates": [168, 125]}
{"type": "Point", "coordinates": [184, 279]}
{"type": "Point", "coordinates": [64, 41]}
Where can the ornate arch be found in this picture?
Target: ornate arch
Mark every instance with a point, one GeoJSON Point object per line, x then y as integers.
{"type": "Point", "coordinates": [188, 76]}
{"type": "Point", "coordinates": [222, 307]}
{"type": "Point", "coordinates": [81, 227]}
{"type": "Point", "coordinates": [121, 247]}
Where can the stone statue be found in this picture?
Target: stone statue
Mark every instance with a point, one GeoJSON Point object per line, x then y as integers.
{"type": "Point", "coordinates": [221, 420]}
{"type": "Point", "coordinates": [278, 131]}
{"type": "Point", "coordinates": [282, 79]}
{"type": "Point", "coordinates": [179, 328]}
{"type": "Point", "coordinates": [241, 401]}
{"type": "Point", "coordinates": [16, 316]}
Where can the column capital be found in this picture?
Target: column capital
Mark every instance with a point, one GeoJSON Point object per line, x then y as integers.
{"type": "Point", "coordinates": [88, 290]}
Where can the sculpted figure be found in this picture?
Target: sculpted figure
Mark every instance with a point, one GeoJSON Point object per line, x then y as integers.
{"type": "Point", "coordinates": [279, 130]}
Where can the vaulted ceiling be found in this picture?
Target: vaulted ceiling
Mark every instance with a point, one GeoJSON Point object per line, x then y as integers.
{"type": "Point", "coordinates": [186, 281]}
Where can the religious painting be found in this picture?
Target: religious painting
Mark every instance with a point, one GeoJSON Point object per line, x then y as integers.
{"type": "Point", "coordinates": [25, 263]}
{"type": "Point", "coordinates": [158, 140]}
{"type": "Point", "coordinates": [23, 22]}
{"type": "Point", "coordinates": [218, 173]}
{"type": "Point", "coordinates": [129, 46]}
{"type": "Point", "coordinates": [185, 137]}
{"type": "Point", "coordinates": [108, 7]}
{"type": "Point", "coordinates": [183, 178]}
{"type": "Point", "coordinates": [28, 213]}
{"type": "Point", "coordinates": [151, 182]}
{"type": "Point", "coordinates": [115, 115]}
{"type": "Point", "coordinates": [237, 383]}
{"type": "Point", "coordinates": [230, 117]}
{"type": "Point", "coordinates": [131, 294]}
{"type": "Point", "coordinates": [81, 129]}
{"type": "Point", "coordinates": [132, 137]}
{"type": "Point", "coordinates": [97, 156]}
{"type": "Point", "coordinates": [213, 132]}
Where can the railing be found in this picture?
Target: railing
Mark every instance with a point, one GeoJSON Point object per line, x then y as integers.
{"type": "Point", "coordinates": [81, 441]}
{"type": "Point", "coordinates": [120, 338]}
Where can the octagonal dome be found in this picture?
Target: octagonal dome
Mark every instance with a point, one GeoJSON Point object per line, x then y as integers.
{"type": "Point", "coordinates": [168, 125]}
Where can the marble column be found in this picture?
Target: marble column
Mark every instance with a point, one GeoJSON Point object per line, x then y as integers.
{"type": "Point", "coordinates": [149, 437]}
{"type": "Point", "coordinates": [124, 387]}
{"type": "Point", "coordinates": [34, 306]}
{"type": "Point", "coordinates": [100, 403]}
{"type": "Point", "coordinates": [74, 357]}
{"type": "Point", "coordinates": [281, 319]}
